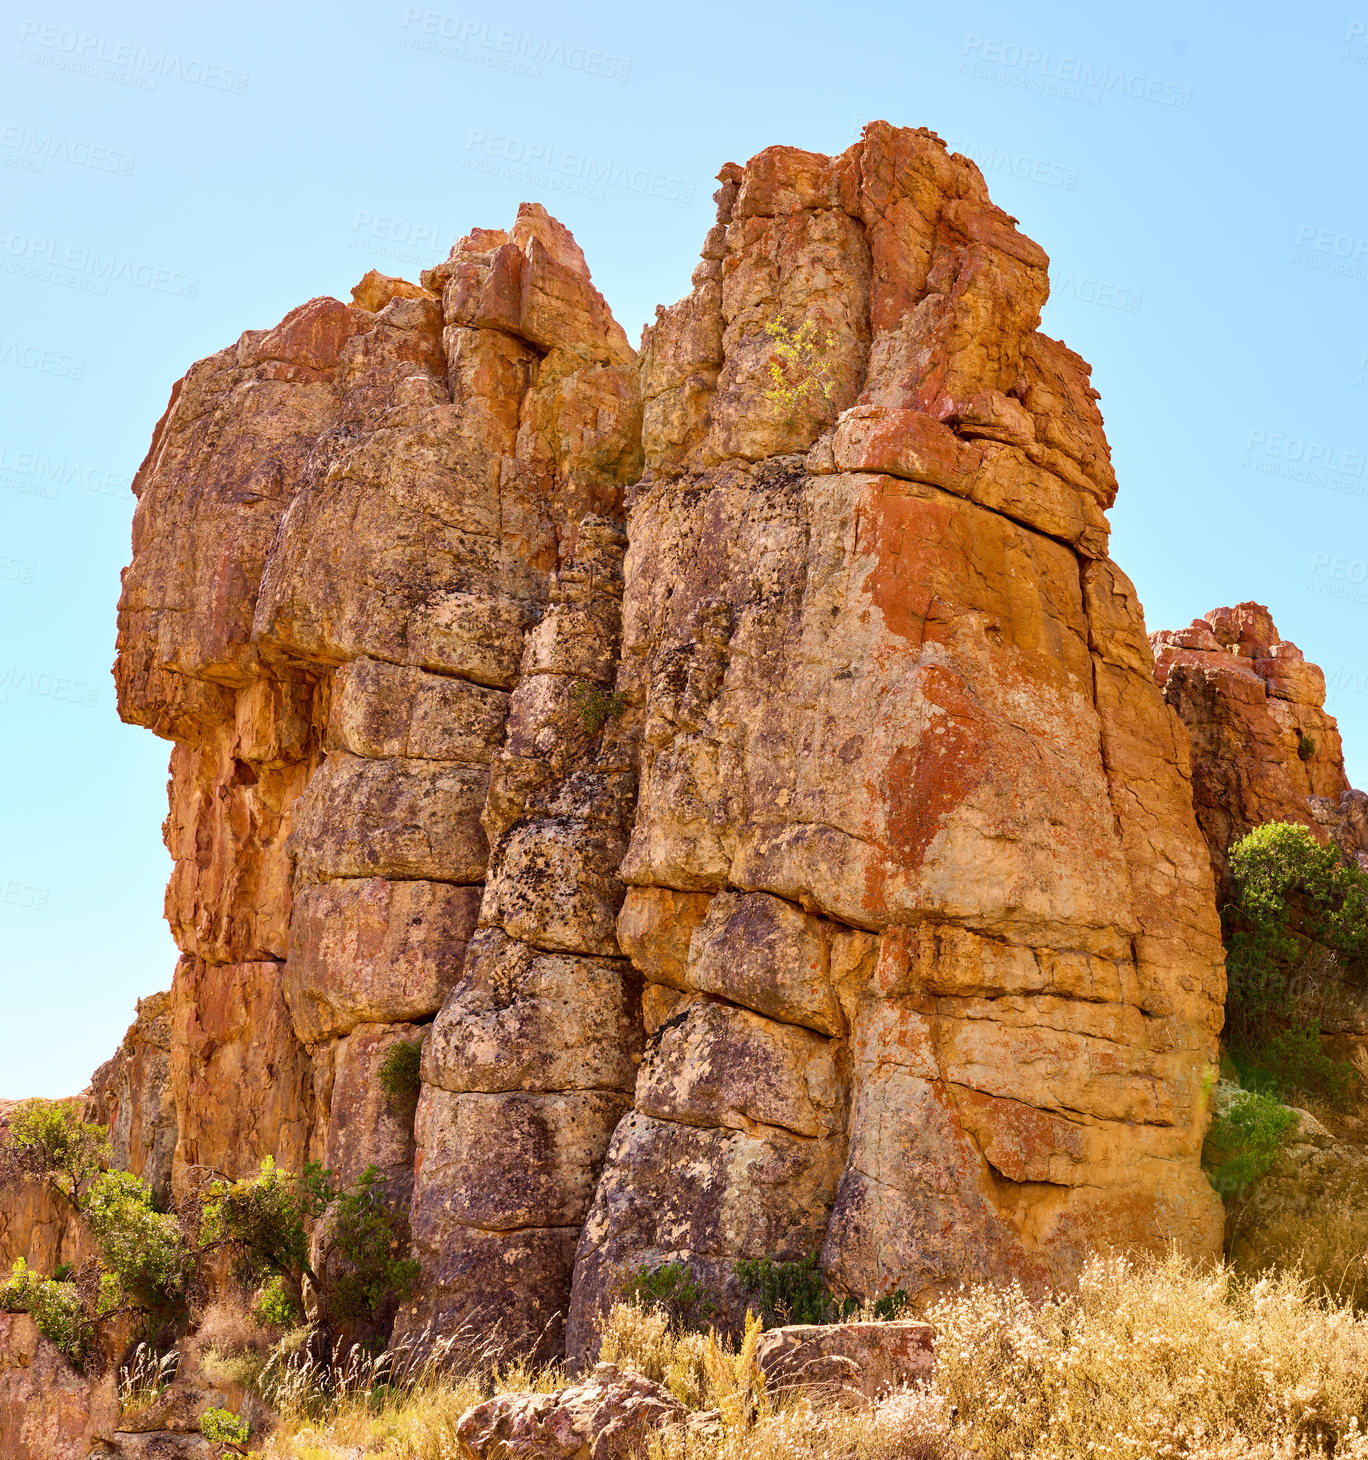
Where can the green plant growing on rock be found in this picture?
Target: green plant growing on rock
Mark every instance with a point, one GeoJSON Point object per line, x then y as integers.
{"type": "Point", "coordinates": [800, 366]}
{"type": "Point", "coordinates": [145, 1250]}
{"type": "Point", "coordinates": [1296, 927]}
{"type": "Point", "coordinates": [267, 1218]}
{"type": "Point", "coordinates": [1244, 1141]}
{"type": "Point", "coordinates": [56, 1309]}
{"type": "Point", "coordinates": [274, 1307]}
{"type": "Point", "coordinates": [368, 1235]}
{"type": "Point", "coordinates": [1306, 747]}
{"type": "Point", "coordinates": [399, 1071]}
{"type": "Point", "coordinates": [595, 706]}
{"type": "Point", "coordinates": [671, 1289]}
{"type": "Point", "coordinates": [223, 1427]}
{"type": "Point", "coordinates": [47, 1141]}
{"type": "Point", "coordinates": [791, 1292]}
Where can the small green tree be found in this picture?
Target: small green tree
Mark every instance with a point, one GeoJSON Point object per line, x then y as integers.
{"type": "Point", "coordinates": [1244, 1140]}
{"type": "Point", "coordinates": [48, 1141]}
{"type": "Point", "coordinates": [1296, 927]}
{"type": "Point", "coordinates": [368, 1236]}
{"type": "Point", "coordinates": [55, 1308]}
{"type": "Point", "coordinates": [145, 1250]}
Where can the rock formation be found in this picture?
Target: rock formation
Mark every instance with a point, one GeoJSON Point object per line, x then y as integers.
{"type": "Point", "coordinates": [1263, 748]}
{"type": "Point", "coordinates": [742, 765]}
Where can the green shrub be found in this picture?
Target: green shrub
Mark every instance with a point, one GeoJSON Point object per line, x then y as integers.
{"type": "Point", "coordinates": [1296, 927]}
{"type": "Point", "coordinates": [267, 1219]}
{"type": "Point", "coordinates": [224, 1427]}
{"type": "Point", "coordinates": [264, 1218]}
{"type": "Point", "coordinates": [672, 1290]}
{"type": "Point", "coordinates": [1244, 1141]}
{"type": "Point", "coordinates": [47, 1140]}
{"type": "Point", "coordinates": [55, 1308]}
{"type": "Point", "coordinates": [275, 1306]}
{"type": "Point", "coordinates": [368, 1235]}
{"type": "Point", "coordinates": [1306, 747]}
{"type": "Point", "coordinates": [399, 1077]}
{"type": "Point", "coordinates": [145, 1250]}
{"type": "Point", "coordinates": [596, 706]}
{"type": "Point", "coordinates": [790, 1292]}
{"type": "Point", "coordinates": [1293, 1063]}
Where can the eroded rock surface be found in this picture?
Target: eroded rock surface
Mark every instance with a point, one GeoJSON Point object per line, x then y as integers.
{"type": "Point", "coordinates": [758, 800]}
{"type": "Point", "coordinates": [1263, 747]}
{"type": "Point", "coordinates": [912, 815]}
{"type": "Point", "coordinates": [47, 1410]}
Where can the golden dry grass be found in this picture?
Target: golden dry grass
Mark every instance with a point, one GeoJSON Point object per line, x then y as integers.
{"type": "Point", "coordinates": [1146, 1360]}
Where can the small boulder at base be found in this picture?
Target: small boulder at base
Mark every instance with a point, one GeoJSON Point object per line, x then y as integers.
{"type": "Point", "coordinates": [606, 1416]}
{"type": "Point", "coordinates": [852, 1361]}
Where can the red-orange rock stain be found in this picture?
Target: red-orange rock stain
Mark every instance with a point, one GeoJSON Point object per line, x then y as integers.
{"type": "Point", "coordinates": [912, 542]}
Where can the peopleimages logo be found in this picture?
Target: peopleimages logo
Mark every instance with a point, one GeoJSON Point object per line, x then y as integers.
{"type": "Point", "coordinates": [1308, 462]}
{"type": "Point", "coordinates": [1097, 291]}
{"type": "Point", "coordinates": [16, 570]}
{"type": "Point", "coordinates": [573, 172]}
{"type": "Point", "coordinates": [34, 474]}
{"type": "Point", "coordinates": [21, 894]}
{"type": "Point", "coordinates": [1331, 252]}
{"type": "Point", "coordinates": [45, 361]}
{"type": "Point", "coordinates": [25, 148]}
{"type": "Point", "coordinates": [382, 236]}
{"type": "Point", "coordinates": [123, 62]}
{"type": "Point", "coordinates": [50, 686]}
{"type": "Point", "coordinates": [85, 269]}
{"type": "Point", "coordinates": [1065, 76]}
{"type": "Point", "coordinates": [1340, 578]}
{"type": "Point", "coordinates": [1356, 43]}
{"type": "Point", "coordinates": [514, 51]}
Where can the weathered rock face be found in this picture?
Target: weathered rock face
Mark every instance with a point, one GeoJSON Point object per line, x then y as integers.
{"type": "Point", "coordinates": [764, 785]}
{"type": "Point", "coordinates": [345, 527]}
{"type": "Point", "coordinates": [47, 1410]}
{"type": "Point", "coordinates": [914, 879]}
{"type": "Point", "coordinates": [1263, 748]}
{"type": "Point", "coordinates": [131, 1094]}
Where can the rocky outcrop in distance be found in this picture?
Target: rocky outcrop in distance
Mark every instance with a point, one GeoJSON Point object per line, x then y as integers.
{"type": "Point", "coordinates": [1263, 747]}
{"type": "Point", "coordinates": [739, 763]}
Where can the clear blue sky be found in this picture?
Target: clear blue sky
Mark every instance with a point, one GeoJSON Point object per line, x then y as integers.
{"type": "Point", "coordinates": [1197, 179]}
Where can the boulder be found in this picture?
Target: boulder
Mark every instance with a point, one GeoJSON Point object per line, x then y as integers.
{"type": "Point", "coordinates": [606, 1416]}
{"type": "Point", "coordinates": [846, 1361]}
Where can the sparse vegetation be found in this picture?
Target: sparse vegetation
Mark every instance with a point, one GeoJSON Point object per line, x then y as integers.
{"type": "Point", "coordinates": [1306, 747]}
{"type": "Point", "coordinates": [1244, 1141]}
{"type": "Point", "coordinates": [399, 1077]}
{"type": "Point", "coordinates": [800, 366]}
{"type": "Point", "coordinates": [1149, 1358]}
{"type": "Point", "coordinates": [595, 706]}
{"type": "Point", "coordinates": [672, 1290]}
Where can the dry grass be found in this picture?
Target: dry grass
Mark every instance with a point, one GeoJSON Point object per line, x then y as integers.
{"type": "Point", "coordinates": [401, 1404]}
{"type": "Point", "coordinates": [1145, 1360]}
{"type": "Point", "coordinates": [1154, 1359]}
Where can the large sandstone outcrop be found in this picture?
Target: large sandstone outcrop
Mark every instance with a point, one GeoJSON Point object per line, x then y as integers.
{"type": "Point", "coordinates": [914, 879]}
{"type": "Point", "coordinates": [764, 786]}
{"type": "Point", "coordinates": [345, 526]}
{"type": "Point", "coordinates": [1263, 747]}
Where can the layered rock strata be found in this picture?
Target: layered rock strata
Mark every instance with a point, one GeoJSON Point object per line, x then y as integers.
{"type": "Point", "coordinates": [1263, 747]}
{"type": "Point", "coordinates": [914, 875]}
{"type": "Point", "coordinates": [748, 753]}
{"type": "Point", "coordinates": [345, 526]}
